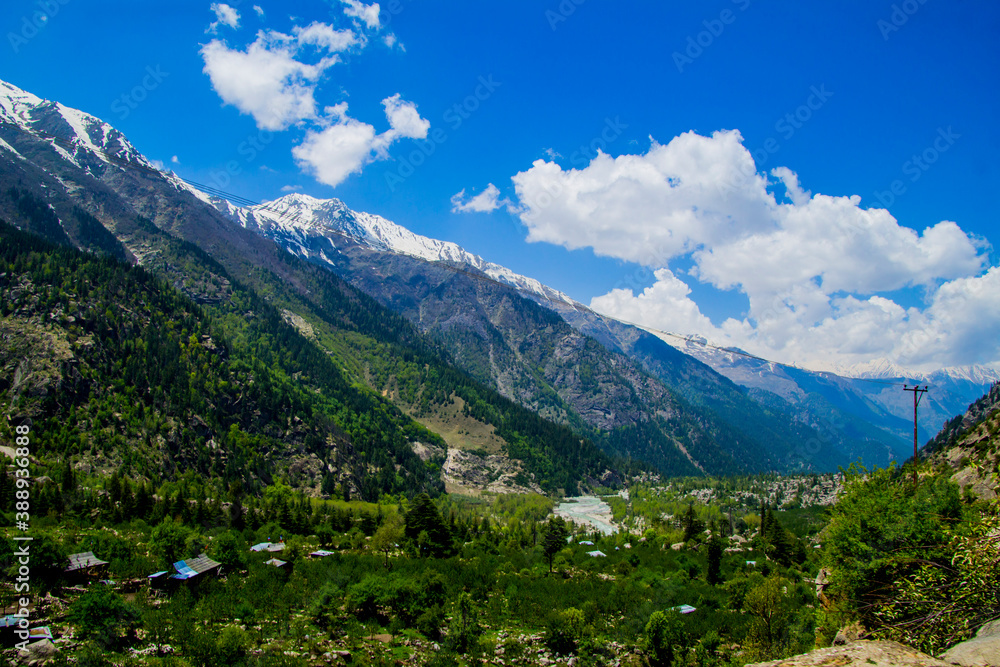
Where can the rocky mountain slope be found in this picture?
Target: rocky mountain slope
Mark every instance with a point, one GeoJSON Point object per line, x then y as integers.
{"type": "Point", "coordinates": [622, 387]}
{"type": "Point", "coordinates": [803, 429]}
{"type": "Point", "coordinates": [73, 180]}
{"type": "Point", "coordinates": [545, 362]}
{"type": "Point", "coordinates": [869, 392]}
{"type": "Point", "coordinates": [969, 445]}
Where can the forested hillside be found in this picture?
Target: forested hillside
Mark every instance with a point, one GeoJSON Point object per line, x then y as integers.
{"type": "Point", "coordinates": [202, 384]}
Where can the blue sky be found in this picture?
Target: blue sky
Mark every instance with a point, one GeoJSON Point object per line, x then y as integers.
{"type": "Point", "coordinates": [732, 135]}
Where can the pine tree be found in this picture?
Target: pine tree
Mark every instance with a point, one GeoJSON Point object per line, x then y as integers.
{"type": "Point", "coordinates": [554, 541]}
{"type": "Point", "coordinates": [424, 518]}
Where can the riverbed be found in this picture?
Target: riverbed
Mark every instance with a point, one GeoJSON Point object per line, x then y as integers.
{"type": "Point", "coordinates": [587, 510]}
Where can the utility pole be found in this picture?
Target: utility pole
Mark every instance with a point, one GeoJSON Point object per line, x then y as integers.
{"type": "Point", "coordinates": [918, 393]}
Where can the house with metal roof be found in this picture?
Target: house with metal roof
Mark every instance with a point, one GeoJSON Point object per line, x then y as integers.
{"type": "Point", "coordinates": [320, 553]}
{"type": "Point", "coordinates": [192, 567]}
{"type": "Point", "coordinates": [84, 562]}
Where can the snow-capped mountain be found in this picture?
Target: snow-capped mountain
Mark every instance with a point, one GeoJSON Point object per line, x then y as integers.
{"type": "Point", "coordinates": [82, 139]}
{"type": "Point", "coordinates": [314, 229]}
{"type": "Point", "coordinates": [317, 229]}
{"type": "Point", "coordinates": [871, 390]}
{"type": "Point", "coordinates": [859, 411]}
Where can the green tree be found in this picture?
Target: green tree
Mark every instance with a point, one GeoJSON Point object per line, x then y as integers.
{"type": "Point", "coordinates": [48, 561]}
{"type": "Point", "coordinates": [692, 525]}
{"type": "Point", "coordinates": [465, 627]}
{"type": "Point", "coordinates": [229, 549]}
{"type": "Point", "coordinates": [104, 617]}
{"type": "Point", "coordinates": [566, 630]}
{"type": "Point", "coordinates": [424, 519]}
{"type": "Point", "coordinates": [768, 606]}
{"type": "Point", "coordinates": [554, 540]}
{"type": "Point", "coordinates": [388, 536]}
{"type": "Point", "coordinates": [941, 605]}
{"type": "Point", "coordinates": [882, 531]}
{"type": "Point", "coordinates": [666, 640]}
{"type": "Point", "coordinates": [169, 540]}
{"type": "Point", "coordinates": [713, 568]}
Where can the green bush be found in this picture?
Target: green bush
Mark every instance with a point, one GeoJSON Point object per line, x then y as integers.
{"type": "Point", "coordinates": [104, 617]}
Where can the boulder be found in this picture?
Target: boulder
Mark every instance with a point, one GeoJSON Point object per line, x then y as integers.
{"type": "Point", "coordinates": [983, 650]}
{"type": "Point", "coordinates": [862, 653]}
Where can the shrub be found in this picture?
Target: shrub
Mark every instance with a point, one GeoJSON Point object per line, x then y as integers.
{"type": "Point", "coordinates": [104, 617]}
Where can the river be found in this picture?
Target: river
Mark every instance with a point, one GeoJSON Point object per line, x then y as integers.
{"type": "Point", "coordinates": [587, 510]}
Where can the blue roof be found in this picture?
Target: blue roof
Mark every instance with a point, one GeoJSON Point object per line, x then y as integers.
{"type": "Point", "coordinates": [183, 569]}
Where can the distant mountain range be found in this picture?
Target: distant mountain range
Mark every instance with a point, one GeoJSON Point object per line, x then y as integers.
{"type": "Point", "coordinates": [679, 406]}
{"type": "Point", "coordinates": [848, 401]}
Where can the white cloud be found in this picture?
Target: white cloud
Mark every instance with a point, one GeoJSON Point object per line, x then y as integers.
{"type": "Point", "coordinates": [666, 300]}
{"type": "Point", "coordinates": [345, 146]}
{"type": "Point", "coordinates": [341, 149]}
{"type": "Point", "coordinates": [224, 15]}
{"type": "Point", "coordinates": [327, 37]}
{"type": "Point", "coordinates": [366, 13]}
{"type": "Point", "coordinates": [291, 188]}
{"type": "Point", "coordinates": [646, 208]}
{"type": "Point", "coordinates": [274, 79]}
{"type": "Point", "coordinates": [175, 160]}
{"type": "Point", "coordinates": [266, 80]}
{"type": "Point", "coordinates": [404, 121]}
{"type": "Point", "coordinates": [819, 271]}
{"type": "Point", "coordinates": [259, 10]}
{"type": "Point", "coordinates": [486, 201]}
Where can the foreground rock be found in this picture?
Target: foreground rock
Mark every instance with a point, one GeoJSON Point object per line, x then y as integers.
{"type": "Point", "coordinates": [983, 650]}
{"type": "Point", "coordinates": [862, 653]}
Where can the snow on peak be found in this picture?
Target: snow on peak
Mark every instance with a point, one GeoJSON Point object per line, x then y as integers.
{"type": "Point", "coordinates": [297, 215]}
{"type": "Point", "coordinates": [15, 104]}
{"type": "Point", "coordinates": [976, 374]}
{"type": "Point", "coordinates": [878, 369]}
{"type": "Point", "coordinates": [83, 134]}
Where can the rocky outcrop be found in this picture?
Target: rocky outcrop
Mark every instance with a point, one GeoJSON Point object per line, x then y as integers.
{"type": "Point", "coordinates": [983, 650]}
{"type": "Point", "coordinates": [862, 653]}
{"type": "Point", "coordinates": [969, 446]}
{"type": "Point", "coordinates": [468, 473]}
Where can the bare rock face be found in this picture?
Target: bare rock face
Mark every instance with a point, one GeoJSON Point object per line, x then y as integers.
{"type": "Point", "coordinates": [465, 472]}
{"type": "Point", "coordinates": [983, 650]}
{"type": "Point", "coordinates": [862, 653]}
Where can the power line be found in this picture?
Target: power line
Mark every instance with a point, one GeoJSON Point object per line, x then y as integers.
{"type": "Point", "coordinates": [579, 307]}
